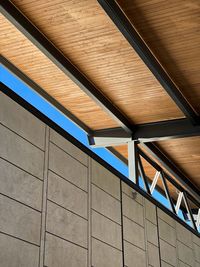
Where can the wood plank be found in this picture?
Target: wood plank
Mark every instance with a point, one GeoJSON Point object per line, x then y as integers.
{"type": "Point", "coordinates": [25, 56]}
{"type": "Point", "coordinates": [171, 30]}
{"type": "Point", "coordinates": [84, 33]}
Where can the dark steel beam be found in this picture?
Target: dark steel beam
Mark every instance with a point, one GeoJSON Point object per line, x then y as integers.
{"type": "Point", "coordinates": [118, 155]}
{"type": "Point", "coordinates": [155, 131]}
{"type": "Point", "coordinates": [165, 130]}
{"type": "Point", "coordinates": [162, 175]}
{"type": "Point", "coordinates": [10, 11]}
{"type": "Point", "coordinates": [117, 15]}
{"type": "Point", "coordinates": [31, 84]}
{"type": "Point", "coordinates": [187, 204]}
{"type": "Point", "coordinates": [142, 173]}
{"type": "Point", "coordinates": [111, 132]}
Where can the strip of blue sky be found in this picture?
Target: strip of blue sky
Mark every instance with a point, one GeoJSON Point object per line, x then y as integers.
{"type": "Point", "coordinates": [60, 119]}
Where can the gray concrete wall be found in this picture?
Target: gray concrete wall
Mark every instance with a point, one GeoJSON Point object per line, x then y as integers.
{"type": "Point", "coordinates": [60, 208]}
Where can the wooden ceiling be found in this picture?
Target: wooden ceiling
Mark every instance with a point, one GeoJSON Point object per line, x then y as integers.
{"type": "Point", "coordinates": [171, 30]}
{"type": "Point", "coordinates": [83, 32]}
{"type": "Point", "coordinates": [18, 49]}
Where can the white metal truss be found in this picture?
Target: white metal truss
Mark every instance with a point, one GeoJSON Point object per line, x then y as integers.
{"type": "Point", "coordinates": [110, 141]}
{"type": "Point", "coordinates": [136, 170]}
{"type": "Point", "coordinates": [198, 219]}
{"type": "Point", "coordinates": [155, 180]}
{"type": "Point", "coordinates": [178, 203]}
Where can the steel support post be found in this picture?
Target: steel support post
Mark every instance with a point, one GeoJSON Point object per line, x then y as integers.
{"type": "Point", "coordinates": [132, 161]}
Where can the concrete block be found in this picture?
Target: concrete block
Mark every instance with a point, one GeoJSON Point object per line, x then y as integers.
{"type": "Point", "coordinates": [153, 255]}
{"type": "Point", "coordinates": [106, 204]}
{"type": "Point", "coordinates": [67, 195]}
{"type": "Point", "coordinates": [134, 256]}
{"type": "Point", "coordinates": [196, 249]}
{"type": "Point", "coordinates": [106, 230]}
{"type": "Point", "coordinates": [133, 233]}
{"type": "Point", "coordinates": [196, 239]}
{"type": "Point", "coordinates": [152, 233]}
{"type": "Point", "coordinates": [105, 180]}
{"type": "Point", "coordinates": [60, 253]}
{"type": "Point", "coordinates": [167, 232]}
{"type": "Point", "coordinates": [17, 253]}
{"type": "Point", "coordinates": [185, 254]}
{"type": "Point", "coordinates": [105, 256]}
{"type": "Point", "coordinates": [183, 235]}
{"type": "Point", "coordinates": [20, 185]}
{"type": "Point", "coordinates": [20, 152]}
{"type": "Point", "coordinates": [129, 191]}
{"type": "Point", "coordinates": [68, 147]}
{"type": "Point", "coordinates": [182, 264]}
{"type": "Point", "coordinates": [67, 225]}
{"type": "Point", "coordinates": [165, 217]}
{"type": "Point", "coordinates": [19, 220]}
{"type": "Point", "coordinates": [21, 121]}
{"type": "Point", "coordinates": [133, 210]}
{"type": "Point", "coordinates": [165, 264]}
{"type": "Point", "coordinates": [150, 211]}
{"type": "Point", "coordinates": [67, 167]}
{"type": "Point", "coordinates": [168, 253]}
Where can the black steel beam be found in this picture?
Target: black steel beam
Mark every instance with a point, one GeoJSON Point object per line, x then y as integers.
{"type": "Point", "coordinates": [118, 155]}
{"type": "Point", "coordinates": [167, 191]}
{"type": "Point", "coordinates": [10, 11]}
{"type": "Point", "coordinates": [165, 130]}
{"type": "Point", "coordinates": [117, 15]}
{"type": "Point", "coordinates": [110, 132]}
{"type": "Point", "coordinates": [142, 173]}
{"type": "Point", "coordinates": [31, 84]}
{"type": "Point", "coordinates": [155, 131]}
{"type": "Point", "coordinates": [187, 204]}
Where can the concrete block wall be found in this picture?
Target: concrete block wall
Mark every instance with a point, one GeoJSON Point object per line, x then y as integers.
{"type": "Point", "coordinates": [59, 207]}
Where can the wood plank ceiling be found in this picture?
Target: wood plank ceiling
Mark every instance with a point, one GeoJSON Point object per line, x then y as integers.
{"type": "Point", "coordinates": [84, 33]}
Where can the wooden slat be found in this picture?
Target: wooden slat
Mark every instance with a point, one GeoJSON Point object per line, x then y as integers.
{"type": "Point", "coordinates": [185, 153]}
{"type": "Point", "coordinates": [171, 29]}
{"type": "Point", "coordinates": [83, 32]}
{"type": "Point", "coordinates": [25, 56]}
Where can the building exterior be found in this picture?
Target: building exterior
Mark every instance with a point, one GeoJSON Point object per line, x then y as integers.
{"type": "Point", "coordinates": [126, 73]}
{"type": "Point", "coordinates": [60, 207]}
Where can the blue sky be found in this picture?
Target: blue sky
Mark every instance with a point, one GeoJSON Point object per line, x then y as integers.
{"type": "Point", "coordinates": [50, 111]}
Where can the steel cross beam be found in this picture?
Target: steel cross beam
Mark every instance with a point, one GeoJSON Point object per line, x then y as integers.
{"type": "Point", "coordinates": [151, 132]}
{"type": "Point", "coordinates": [119, 18]}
